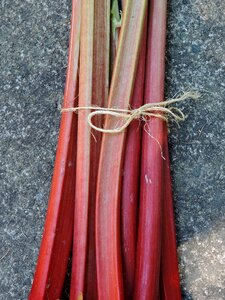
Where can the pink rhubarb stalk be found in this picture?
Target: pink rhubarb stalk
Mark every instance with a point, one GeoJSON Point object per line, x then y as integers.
{"type": "Point", "coordinates": [100, 90]}
{"type": "Point", "coordinates": [131, 176]}
{"type": "Point", "coordinates": [108, 249]}
{"type": "Point", "coordinates": [150, 216]}
{"type": "Point", "coordinates": [57, 237]}
{"type": "Point", "coordinates": [170, 281]}
{"type": "Point", "coordinates": [79, 255]}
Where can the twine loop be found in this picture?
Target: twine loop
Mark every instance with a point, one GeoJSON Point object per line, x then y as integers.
{"type": "Point", "coordinates": [158, 110]}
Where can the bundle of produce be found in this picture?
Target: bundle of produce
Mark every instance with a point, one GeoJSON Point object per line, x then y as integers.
{"type": "Point", "coordinates": [110, 210]}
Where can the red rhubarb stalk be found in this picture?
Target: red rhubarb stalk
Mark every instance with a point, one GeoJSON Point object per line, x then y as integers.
{"type": "Point", "coordinates": [131, 175]}
{"type": "Point", "coordinates": [170, 281]}
{"type": "Point", "coordinates": [83, 153]}
{"type": "Point", "coordinates": [108, 249]}
{"type": "Point", "coordinates": [150, 216]}
{"type": "Point", "coordinates": [57, 237]}
{"type": "Point", "coordinates": [100, 89]}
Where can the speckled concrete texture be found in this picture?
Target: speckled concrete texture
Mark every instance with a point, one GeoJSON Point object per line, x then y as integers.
{"type": "Point", "coordinates": [196, 61]}
{"type": "Point", "coordinates": [33, 58]}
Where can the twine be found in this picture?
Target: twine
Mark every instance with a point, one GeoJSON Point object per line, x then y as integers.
{"type": "Point", "coordinates": [158, 110]}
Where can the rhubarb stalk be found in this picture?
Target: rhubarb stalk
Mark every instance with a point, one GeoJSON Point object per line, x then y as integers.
{"type": "Point", "coordinates": [108, 250]}
{"type": "Point", "coordinates": [100, 89]}
{"type": "Point", "coordinates": [150, 216]}
{"type": "Point", "coordinates": [131, 175]}
{"type": "Point", "coordinates": [83, 153]}
{"type": "Point", "coordinates": [57, 237]}
{"type": "Point", "coordinates": [170, 282]}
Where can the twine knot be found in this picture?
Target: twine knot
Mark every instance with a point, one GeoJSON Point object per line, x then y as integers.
{"type": "Point", "coordinates": [158, 110]}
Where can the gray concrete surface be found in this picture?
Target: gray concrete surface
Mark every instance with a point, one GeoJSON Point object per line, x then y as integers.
{"type": "Point", "coordinates": [33, 48]}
